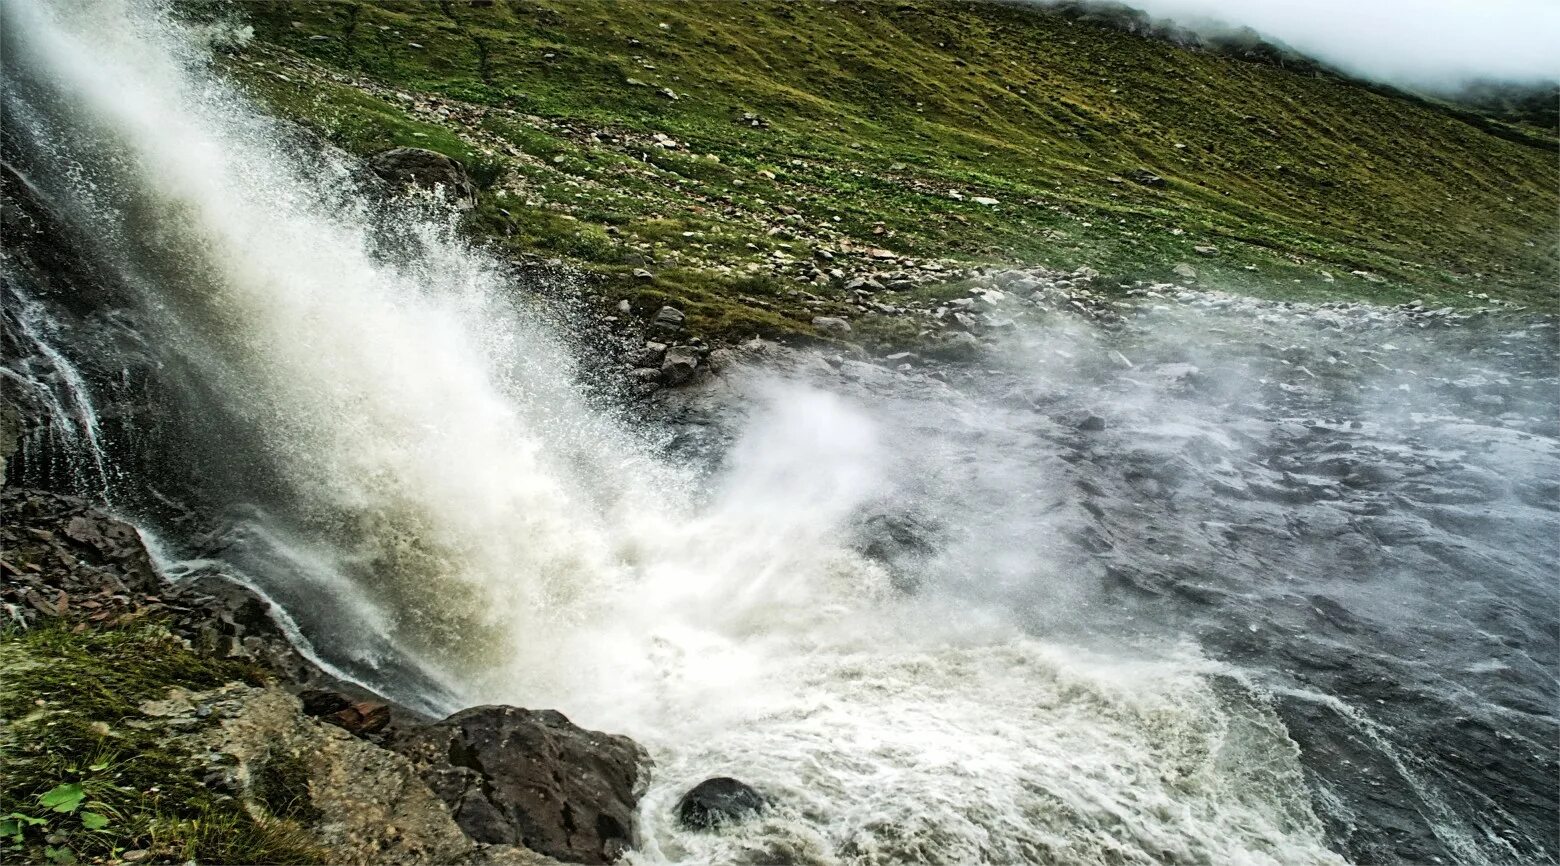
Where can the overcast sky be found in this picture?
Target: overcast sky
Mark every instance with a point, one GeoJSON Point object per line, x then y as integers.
{"type": "Point", "coordinates": [1431, 43]}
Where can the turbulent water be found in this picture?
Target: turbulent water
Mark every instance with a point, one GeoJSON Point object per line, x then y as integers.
{"type": "Point", "coordinates": [1229, 583]}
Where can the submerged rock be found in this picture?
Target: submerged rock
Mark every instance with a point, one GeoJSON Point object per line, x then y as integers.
{"type": "Point", "coordinates": [718, 801]}
{"type": "Point", "coordinates": [411, 166]}
{"type": "Point", "coordinates": [532, 777]}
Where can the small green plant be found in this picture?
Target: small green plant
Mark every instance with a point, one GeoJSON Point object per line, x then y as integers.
{"type": "Point", "coordinates": [82, 784]}
{"type": "Point", "coordinates": [62, 816]}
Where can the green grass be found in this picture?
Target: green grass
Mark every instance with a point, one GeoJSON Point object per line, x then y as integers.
{"type": "Point", "coordinates": [66, 700]}
{"type": "Point", "coordinates": [876, 111]}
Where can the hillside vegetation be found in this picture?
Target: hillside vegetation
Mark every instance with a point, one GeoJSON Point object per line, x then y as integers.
{"type": "Point", "coordinates": [724, 143]}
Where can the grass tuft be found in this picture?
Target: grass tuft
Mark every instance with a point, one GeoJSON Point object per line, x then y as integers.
{"type": "Point", "coordinates": [67, 702]}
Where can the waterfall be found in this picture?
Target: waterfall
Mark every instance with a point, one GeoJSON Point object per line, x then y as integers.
{"type": "Point", "coordinates": [396, 434]}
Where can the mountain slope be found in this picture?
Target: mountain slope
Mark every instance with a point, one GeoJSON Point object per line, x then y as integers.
{"type": "Point", "coordinates": [881, 124]}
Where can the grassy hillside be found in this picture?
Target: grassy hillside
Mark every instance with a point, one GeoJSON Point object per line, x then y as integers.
{"type": "Point", "coordinates": [789, 127]}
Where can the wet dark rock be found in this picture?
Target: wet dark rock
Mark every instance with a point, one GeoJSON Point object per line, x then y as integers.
{"type": "Point", "coordinates": [60, 558]}
{"type": "Point", "coordinates": [532, 777]}
{"type": "Point", "coordinates": [679, 365]}
{"type": "Point", "coordinates": [649, 356]}
{"type": "Point", "coordinates": [63, 560]}
{"type": "Point", "coordinates": [415, 167]}
{"type": "Point", "coordinates": [1090, 424]}
{"type": "Point", "coordinates": [349, 712]}
{"type": "Point", "coordinates": [718, 801]}
{"type": "Point", "coordinates": [321, 702]}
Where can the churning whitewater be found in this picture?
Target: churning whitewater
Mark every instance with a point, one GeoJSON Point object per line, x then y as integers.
{"type": "Point", "coordinates": [409, 461]}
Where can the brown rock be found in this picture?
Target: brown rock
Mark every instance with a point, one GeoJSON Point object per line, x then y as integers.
{"type": "Point", "coordinates": [363, 717]}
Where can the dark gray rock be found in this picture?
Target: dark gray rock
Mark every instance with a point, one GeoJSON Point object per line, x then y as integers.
{"type": "Point", "coordinates": [680, 364]}
{"type": "Point", "coordinates": [533, 778]}
{"type": "Point", "coordinates": [411, 166]}
{"type": "Point", "coordinates": [718, 801]}
{"type": "Point", "coordinates": [650, 356]}
{"type": "Point", "coordinates": [668, 319]}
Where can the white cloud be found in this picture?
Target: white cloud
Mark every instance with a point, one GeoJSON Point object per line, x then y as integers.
{"type": "Point", "coordinates": [1434, 43]}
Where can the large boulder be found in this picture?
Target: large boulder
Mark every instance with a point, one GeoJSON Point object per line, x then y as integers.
{"type": "Point", "coordinates": [718, 801]}
{"type": "Point", "coordinates": [533, 778]}
{"type": "Point", "coordinates": [411, 166]}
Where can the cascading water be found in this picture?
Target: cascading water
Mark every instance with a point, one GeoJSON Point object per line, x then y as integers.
{"type": "Point", "coordinates": [71, 434]}
{"type": "Point", "coordinates": [404, 458]}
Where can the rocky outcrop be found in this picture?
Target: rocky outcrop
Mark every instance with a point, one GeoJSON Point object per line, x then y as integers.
{"type": "Point", "coordinates": [64, 560]}
{"type": "Point", "coordinates": [415, 167]}
{"type": "Point", "coordinates": [533, 778]}
{"type": "Point", "coordinates": [361, 803]}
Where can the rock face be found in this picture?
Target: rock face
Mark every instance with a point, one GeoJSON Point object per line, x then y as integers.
{"type": "Point", "coordinates": [411, 166]}
{"type": "Point", "coordinates": [63, 559]}
{"type": "Point", "coordinates": [717, 801]}
{"type": "Point", "coordinates": [533, 778]}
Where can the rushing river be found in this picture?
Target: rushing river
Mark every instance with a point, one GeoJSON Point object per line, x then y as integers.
{"type": "Point", "coordinates": [1228, 582]}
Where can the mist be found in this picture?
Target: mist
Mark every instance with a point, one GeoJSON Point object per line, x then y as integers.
{"type": "Point", "coordinates": [1437, 45]}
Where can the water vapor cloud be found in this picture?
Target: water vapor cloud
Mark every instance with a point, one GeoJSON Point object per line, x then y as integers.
{"type": "Point", "coordinates": [1423, 44]}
